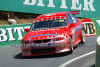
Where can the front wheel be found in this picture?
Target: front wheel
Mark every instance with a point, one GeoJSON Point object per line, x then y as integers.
{"type": "Point", "coordinates": [71, 45]}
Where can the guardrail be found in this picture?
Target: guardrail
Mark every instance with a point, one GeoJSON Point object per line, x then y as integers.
{"type": "Point", "coordinates": [98, 52]}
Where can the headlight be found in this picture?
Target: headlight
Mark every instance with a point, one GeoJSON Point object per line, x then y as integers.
{"type": "Point", "coordinates": [58, 39]}
{"type": "Point", "coordinates": [25, 44]}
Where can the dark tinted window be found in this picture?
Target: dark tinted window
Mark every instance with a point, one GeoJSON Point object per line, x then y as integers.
{"type": "Point", "coordinates": [49, 24]}
{"type": "Point", "coordinates": [69, 19]}
{"type": "Point", "coordinates": [74, 19]}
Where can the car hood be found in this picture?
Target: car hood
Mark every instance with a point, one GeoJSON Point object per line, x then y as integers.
{"type": "Point", "coordinates": [46, 33]}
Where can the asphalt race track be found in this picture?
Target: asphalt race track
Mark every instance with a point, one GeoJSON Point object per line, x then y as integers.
{"type": "Point", "coordinates": [11, 57]}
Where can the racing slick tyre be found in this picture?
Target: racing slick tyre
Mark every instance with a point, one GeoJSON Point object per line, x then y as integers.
{"type": "Point", "coordinates": [83, 37]}
{"type": "Point", "coordinates": [71, 45]}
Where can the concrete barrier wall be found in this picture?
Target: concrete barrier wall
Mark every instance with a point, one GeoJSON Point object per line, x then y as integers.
{"type": "Point", "coordinates": [98, 52]}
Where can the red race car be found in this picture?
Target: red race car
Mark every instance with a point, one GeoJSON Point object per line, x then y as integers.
{"type": "Point", "coordinates": [53, 33]}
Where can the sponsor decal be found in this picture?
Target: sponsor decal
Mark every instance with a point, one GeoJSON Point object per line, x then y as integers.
{"type": "Point", "coordinates": [78, 28]}
{"type": "Point", "coordinates": [89, 27]}
{"type": "Point", "coordinates": [77, 35]}
{"type": "Point", "coordinates": [77, 41]}
{"type": "Point", "coordinates": [43, 35]}
{"type": "Point", "coordinates": [41, 45]}
{"type": "Point", "coordinates": [61, 20]}
{"type": "Point", "coordinates": [73, 32]}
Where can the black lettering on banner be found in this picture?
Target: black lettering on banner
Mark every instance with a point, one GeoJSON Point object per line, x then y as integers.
{"type": "Point", "coordinates": [85, 28]}
{"type": "Point", "coordinates": [89, 28]}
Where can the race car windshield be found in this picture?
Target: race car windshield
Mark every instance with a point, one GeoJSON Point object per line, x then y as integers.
{"type": "Point", "coordinates": [49, 24]}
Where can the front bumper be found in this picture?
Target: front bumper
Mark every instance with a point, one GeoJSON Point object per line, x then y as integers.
{"type": "Point", "coordinates": [51, 48]}
{"type": "Point", "coordinates": [31, 51]}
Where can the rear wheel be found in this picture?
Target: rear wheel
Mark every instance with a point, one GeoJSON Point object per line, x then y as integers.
{"type": "Point", "coordinates": [71, 45]}
{"type": "Point", "coordinates": [83, 37]}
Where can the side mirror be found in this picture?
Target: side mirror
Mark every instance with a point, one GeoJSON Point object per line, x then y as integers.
{"type": "Point", "coordinates": [27, 29]}
{"type": "Point", "coordinates": [72, 24]}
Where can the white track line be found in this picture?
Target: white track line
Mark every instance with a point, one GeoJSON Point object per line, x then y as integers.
{"type": "Point", "coordinates": [72, 60]}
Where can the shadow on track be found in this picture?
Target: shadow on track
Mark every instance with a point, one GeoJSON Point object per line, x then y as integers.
{"type": "Point", "coordinates": [93, 65]}
{"type": "Point", "coordinates": [19, 56]}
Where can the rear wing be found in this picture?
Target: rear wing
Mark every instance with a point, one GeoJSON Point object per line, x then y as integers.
{"type": "Point", "coordinates": [75, 12]}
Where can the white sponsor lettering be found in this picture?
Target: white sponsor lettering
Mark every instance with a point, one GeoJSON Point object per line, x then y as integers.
{"type": "Point", "coordinates": [3, 36]}
{"type": "Point", "coordinates": [51, 3]}
{"type": "Point", "coordinates": [9, 33]}
{"type": "Point", "coordinates": [88, 5]}
{"type": "Point", "coordinates": [98, 21]}
{"type": "Point", "coordinates": [40, 3]}
{"type": "Point", "coordinates": [75, 3]}
{"type": "Point", "coordinates": [63, 4]}
{"type": "Point", "coordinates": [27, 2]}
{"type": "Point", "coordinates": [19, 30]}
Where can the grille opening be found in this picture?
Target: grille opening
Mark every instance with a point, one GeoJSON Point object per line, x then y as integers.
{"type": "Point", "coordinates": [42, 41]}
{"type": "Point", "coordinates": [44, 50]}
{"type": "Point", "coordinates": [38, 41]}
{"type": "Point", "coordinates": [48, 40]}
